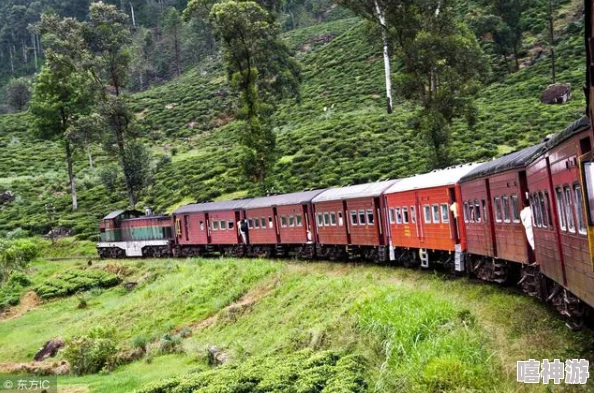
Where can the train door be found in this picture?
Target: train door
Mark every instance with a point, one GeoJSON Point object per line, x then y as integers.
{"type": "Point", "coordinates": [454, 220]}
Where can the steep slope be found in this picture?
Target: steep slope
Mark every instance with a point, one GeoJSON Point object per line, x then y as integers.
{"type": "Point", "coordinates": [337, 134]}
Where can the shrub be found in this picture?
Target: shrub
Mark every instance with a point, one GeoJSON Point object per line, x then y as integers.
{"type": "Point", "coordinates": [170, 343]}
{"type": "Point", "coordinates": [16, 255]}
{"type": "Point", "coordinates": [88, 355]}
{"type": "Point", "coordinates": [141, 341]}
{"type": "Point", "coordinates": [75, 281]}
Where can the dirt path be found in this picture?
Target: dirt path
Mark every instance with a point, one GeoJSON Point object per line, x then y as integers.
{"type": "Point", "coordinates": [29, 301]}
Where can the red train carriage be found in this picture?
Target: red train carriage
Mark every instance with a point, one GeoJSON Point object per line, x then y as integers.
{"type": "Point", "coordinates": [282, 224]}
{"type": "Point", "coordinates": [349, 221]}
{"type": "Point", "coordinates": [492, 199]}
{"type": "Point", "coordinates": [208, 227]}
{"type": "Point", "coordinates": [422, 216]}
{"type": "Point", "coordinates": [560, 226]}
{"type": "Point", "coordinates": [129, 233]}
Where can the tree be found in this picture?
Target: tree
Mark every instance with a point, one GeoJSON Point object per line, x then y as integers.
{"type": "Point", "coordinates": [500, 33]}
{"type": "Point", "coordinates": [172, 27]}
{"type": "Point", "coordinates": [551, 9]}
{"type": "Point", "coordinates": [139, 168]}
{"type": "Point", "coordinates": [62, 92]}
{"type": "Point", "coordinates": [108, 38]}
{"type": "Point", "coordinates": [375, 11]}
{"type": "Point", "coordinates": [17, 94]}
{"type": "Point", "coordinates": [510, 11]}
{"type": "Point", "coordinates": [261, 71]}
{"type": "Point", "coordinates": [442, 66]}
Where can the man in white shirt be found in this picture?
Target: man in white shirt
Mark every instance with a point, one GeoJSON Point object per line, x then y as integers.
{"type": "Point", "coordinates": [526, 217]}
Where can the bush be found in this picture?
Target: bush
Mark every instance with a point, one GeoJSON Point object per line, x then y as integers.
{"type": "Point", "coordinates": [76, 281]}
{"type": "Point", "coordinates": [170, 343]}
{"type": "Point", "coordinates": [140, 341]}
{"type": "Point", "coordinates": [16, 255]}
{"type": "Point", "coordinates": [88, 355]}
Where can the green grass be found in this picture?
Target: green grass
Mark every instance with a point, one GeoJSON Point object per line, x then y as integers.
{"type": "Point", "coordinates": [411, 331]}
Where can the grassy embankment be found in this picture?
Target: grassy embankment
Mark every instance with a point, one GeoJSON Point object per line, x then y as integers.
{"type": "Point", "coordinates": [384, 328]}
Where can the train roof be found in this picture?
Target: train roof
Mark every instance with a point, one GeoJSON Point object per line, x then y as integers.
{"type": "Point", "coordinates": [212, 206]}
{"type": "Point", "coordinates": [515, 160]}
{"type": "Point", "coordinates": [367, 190]}
{"type": "Point", "coordinates": [117, 213]}
{"type": "Point", "coordinates": [435, 178]}
{"type": "Point", "coordinates": [283, 200]}
{"type": "Point", "coordinates": [574, 128]}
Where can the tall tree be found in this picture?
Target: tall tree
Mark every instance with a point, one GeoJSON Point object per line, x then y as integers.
{"type": "Point", "coordinates": [375, 11]}
{"type": "Point", "coordinates": [108, 37]}
{"type": "Point", "coordinates": [442, 67]}
{"type": "Point", "coordinates": [261, 71]}
{"type": "Point", "coordinates": [62, 92]}
{"type": "Point", "coordinates": [172, 27]}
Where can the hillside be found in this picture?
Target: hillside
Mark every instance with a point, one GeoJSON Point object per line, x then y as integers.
{"type": "Point", "coordinates": [280, 326]}
{"type": "Point", "coordinates": [338, 134]}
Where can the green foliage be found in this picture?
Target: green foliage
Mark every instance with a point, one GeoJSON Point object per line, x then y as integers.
{"type": "Point", "coordinates": [261, 71]}
{"type": "Point", "coordinates": [12, 289]}
{"type": "Point", "coordinates": [17, 94]}
{"type": "Point", "coordinates": [170, 343]}
{"type": "Point", "coordinates": [15, 255]}
{"type": "Point", "coordinates": [75, 281]}
{"type": "Point", "coordinates": [140, 341]}
{"type": "Point", "coordinates": [414, 332]}
{"type": "Point", "coordinates": [300, 372]}
{"type": "Point", "coordinates": [88, 355]}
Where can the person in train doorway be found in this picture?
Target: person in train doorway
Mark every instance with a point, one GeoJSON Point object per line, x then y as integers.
{"type": "Point", "coordinates": [454, 211]}
{"type": "Point", "coordinates": [526, 217]}
{"type": "Point", "coordinates": [242, 227]}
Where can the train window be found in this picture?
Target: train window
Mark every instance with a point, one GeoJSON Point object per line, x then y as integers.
{"type": "Point", "coordinates": [284, 220]}
{"type": "Point", "coordinates": [215, 225]}
{"type": "Point", "coordinates": [465, 211]}
{"type": "Point", "coordinates": [340, 221]}
{"type": "Point", "coordinates": [569, 210]}
{"type": "Point", "coordinates": [326, 219]}
{"type": "Point", "coordinates": [435, 210]}
{"type": "Point", "coordinates": [256, 223]}
{"type": "Point", "coordinates": [534, 207]}
{"type": "Point", "coordinates": [515, 207]}
{"type": "Point", "coordinates": [445, 214]}
{"type": "Point", "coordinates": [560, 209]}
{"type": "Point", "coordinates": [548, 209]}
{"type": "Point", "coordinates": [477, 211]}
{"type": "Point", "coordinates": [413, 215]}
{"type": "Point", "coordinates": [332, 218]}
{"type": "Point", "coordinates": [201, 225]}
{"type": "Point", "coordinates": [230, 224]}
{"type": "Point", "coordinates": [427, 214]}
{"type": "Point", "coordinates": [498, 215]}
{"type": "Point", "coordinates": [362, 217]}
{"type": "Point", "coordinates": [370, 218]}
{"type": "Point", "coordinates": [354, 217]}
{"type": "Point", "coordinates": [405, 218]}
{"type": "Point", "coordinates": [392, 216]}
{"type": "Point", "coordinates": [471, 211]}
{"type": "Point", "coordinates": [543, 210]}
{"type": "Point", "coordinates": [485, 215]}
{"type": "Point", "coordinates": [262, 222]}
{"type": "Point", "coordinates": [506, 212]}
{"type": "Point", "coordinates": [320, 220]}
{"type": "Point", "coordinates": [298, 219]}
{"type": "Point", "coordinates": [291, 221]}
{"type": "Point", "coordinates": [223, 225]}
{"type": "Point", "coordinates": [398, 215]}
{"type": "Point", "coordinates": [579, 208]}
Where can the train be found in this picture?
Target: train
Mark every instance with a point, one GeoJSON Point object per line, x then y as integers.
{"type": "Point", "coordinates": [466, 218]}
